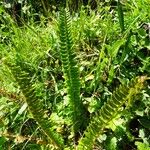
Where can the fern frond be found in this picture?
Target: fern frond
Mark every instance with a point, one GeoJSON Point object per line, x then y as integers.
{"type": "Point", "coordinates": [108, 112]}
{"type": "Point", "coordinates": [23, 74]}
{"type": "Point", "coordinates": [70, 70]}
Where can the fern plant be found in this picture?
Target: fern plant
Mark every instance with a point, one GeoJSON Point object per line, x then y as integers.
{"type": "Point", "coordinates": [71, 72]}
{"type": "Point", "coordinates": [23, 74]}
{"type": "Point", "coordinates": [109, 110]}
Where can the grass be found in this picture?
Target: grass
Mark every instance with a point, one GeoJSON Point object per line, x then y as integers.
{"type": "Point", "coordinates": [109, 53]}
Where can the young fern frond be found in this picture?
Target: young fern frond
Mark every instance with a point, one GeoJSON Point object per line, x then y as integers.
{"type": "Point", "coordinates": [108, 111]}
{"type": "Point", "coordinates": [70, 70]}
{"type": "Point", "coordinates": [23, 74]}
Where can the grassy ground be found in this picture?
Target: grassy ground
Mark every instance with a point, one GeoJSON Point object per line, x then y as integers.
{"type": "Point", "coordinates": [111, 48]}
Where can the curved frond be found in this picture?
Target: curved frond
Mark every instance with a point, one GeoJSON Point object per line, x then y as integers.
{"type": "Point", "coordinates": [23, 74]}
{"type": "Point", "coordinates": [108, 112]}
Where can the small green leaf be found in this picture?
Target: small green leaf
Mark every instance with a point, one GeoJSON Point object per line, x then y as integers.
{"type": "Point", "coordinates": [113, 144]}
{"type": "Point", "coordinates": [2, 142]}
{"type": "Point", "coordinates": [139, 113]}
{"type": "Point", "coordinates": [145, 122]}
{"type": "Point", "coordinates": [142, 146]}
{"type": "Point", "coordinates": [113, 50]}
{"type": "Point", "coordinates": [141, 133]}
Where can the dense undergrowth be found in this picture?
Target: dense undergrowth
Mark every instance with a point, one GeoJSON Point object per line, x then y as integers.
{"type": "Point", "coordinates": [111, 48]}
